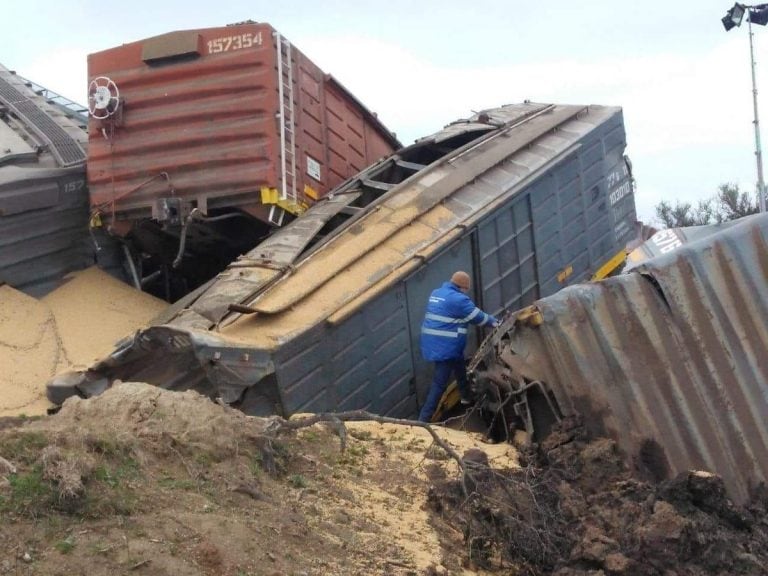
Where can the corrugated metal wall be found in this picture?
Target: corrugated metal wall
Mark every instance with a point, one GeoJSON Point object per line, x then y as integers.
{"type": "Point", "coordinates": [507, 262]}
{"type": "Point", "coordinates": [560, 228]}
{"type": "Point", "coordinates": [364, 363]}
{"type": "Point", "coordinates": [41, 243]}
{"type": "Point", "coordinates": [669, 359]}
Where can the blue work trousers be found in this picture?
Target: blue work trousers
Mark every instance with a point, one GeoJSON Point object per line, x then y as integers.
{"type": "Point", "coordinates": [443, 370]}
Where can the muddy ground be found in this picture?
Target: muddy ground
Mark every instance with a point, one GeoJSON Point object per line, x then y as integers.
{"type": "Point", "coordinates": [145, 481]}
{"type": "Point", "coordinates": [573, 509]}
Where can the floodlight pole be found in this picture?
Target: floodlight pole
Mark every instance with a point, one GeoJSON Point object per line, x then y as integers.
{"type": "Point", "coordinates": [758, 149]}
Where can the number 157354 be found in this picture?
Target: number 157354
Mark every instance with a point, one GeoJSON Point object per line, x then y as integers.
{"type": "Point", "coordinates": [238, 42]}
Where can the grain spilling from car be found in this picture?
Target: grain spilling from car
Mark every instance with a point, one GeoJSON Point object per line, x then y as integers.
{"type": "Point", "coordinates": [70, 328]}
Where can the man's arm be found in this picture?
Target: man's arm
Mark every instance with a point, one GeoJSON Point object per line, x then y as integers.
{"type": "Point", "coordinates": [469, 312]}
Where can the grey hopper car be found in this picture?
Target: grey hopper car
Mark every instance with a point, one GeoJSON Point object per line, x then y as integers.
{"type": "Point", "coordinates": [43, 194]}
{"type": "Point", "coordinates": [325, 314]}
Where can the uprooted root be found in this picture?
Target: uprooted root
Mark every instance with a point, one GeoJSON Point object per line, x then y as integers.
{"type": "Point", "coordinates": [574, 510]}
{"type": "Point", "coordinates": [337, 419]}
{"type": "Point", "coordinates": [509, 517]}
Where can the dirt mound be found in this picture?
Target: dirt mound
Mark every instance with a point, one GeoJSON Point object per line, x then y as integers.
{"type": "Point", "coordinates": [155, 419]}
{"type": "Point", "coordinates": [71, 327]}
{"type": "Point", "coordinates": [574, 510]}
{"type": "Point", "coordinates": [148, 481]}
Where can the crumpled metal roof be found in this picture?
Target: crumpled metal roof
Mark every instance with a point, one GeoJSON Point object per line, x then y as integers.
{"type": "Point", "coordinates": [669, 239]}
{"type": "Point", "coordinates": [669, 359]}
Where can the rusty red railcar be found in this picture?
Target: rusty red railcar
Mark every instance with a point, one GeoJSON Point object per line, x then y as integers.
{"type": "Point", "coordinates": [209, 121]}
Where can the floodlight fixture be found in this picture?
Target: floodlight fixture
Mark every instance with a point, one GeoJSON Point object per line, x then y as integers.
{"type": "Point", "coordinates": [727, 22]}
{"type": "Point", "coordinates": [758, 14]}
{"type": "Point", "coordinates": [734, 16]}
{"type": "Point", "coordinates": [737, 13]}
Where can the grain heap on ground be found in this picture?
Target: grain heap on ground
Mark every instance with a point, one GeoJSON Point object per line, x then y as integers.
{"type": "Point", "coordinates": [70, 328]}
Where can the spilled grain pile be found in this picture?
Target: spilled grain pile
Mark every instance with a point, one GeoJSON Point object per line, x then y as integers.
{"type": "Point", "coordinates": [71, 327]}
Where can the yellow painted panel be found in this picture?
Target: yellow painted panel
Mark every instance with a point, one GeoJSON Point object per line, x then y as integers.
{"type": "Point", "coordinates": [269, 195]}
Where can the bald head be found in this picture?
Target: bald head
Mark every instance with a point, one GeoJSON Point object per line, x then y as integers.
{"type": "Point", "coordinates": [461, 279]}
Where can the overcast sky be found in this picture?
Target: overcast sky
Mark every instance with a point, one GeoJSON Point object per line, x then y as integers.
{"type": "Point", "coordinates": [684, 83]}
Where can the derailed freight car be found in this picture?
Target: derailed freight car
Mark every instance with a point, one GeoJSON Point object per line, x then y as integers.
{"type": "Point", "coordinates": [43, 194]}
{"type": "Point", "coordinates": [233, 123]}
{"type": "Point", "coordinates": [326, 314]}
{"type": "Point", "coordinates": [667, 359]}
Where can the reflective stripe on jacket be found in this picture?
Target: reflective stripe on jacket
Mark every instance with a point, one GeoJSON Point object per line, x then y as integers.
{"type": "Point", "coordinates": [444, 330]}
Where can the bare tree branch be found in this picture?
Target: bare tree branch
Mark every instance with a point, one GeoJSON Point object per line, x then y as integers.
{"type": "Point", "coordinates": [281, 425]}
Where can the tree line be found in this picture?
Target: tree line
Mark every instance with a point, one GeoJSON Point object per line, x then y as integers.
{"type": "Point", "coordinates": [728, 204]}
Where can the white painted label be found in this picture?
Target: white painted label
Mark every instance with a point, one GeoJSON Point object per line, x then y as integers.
{"type": "Point", "coordinates": [666, 240]}
{"type": "Point", "coordinates": [75, 186]}
{"type": "Point", "coordinates": [230, 43]}
{"type": "Point", "coordinates": [624, 190]}
{"type": "Point", "coordinates": [313, 168]}
{"type": "Point", "coordinates": [617, 175]}
{"type": "Point", "coordinates": [619, 184]}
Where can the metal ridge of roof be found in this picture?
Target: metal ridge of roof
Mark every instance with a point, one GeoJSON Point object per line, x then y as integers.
{"type": "Point", "coordinates": [668, 359]}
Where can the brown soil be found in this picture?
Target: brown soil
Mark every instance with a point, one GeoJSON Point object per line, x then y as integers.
{"type": "Point", "coordinates": [141, 480]}
{"type": "Point", "coordinates": [573, 509]}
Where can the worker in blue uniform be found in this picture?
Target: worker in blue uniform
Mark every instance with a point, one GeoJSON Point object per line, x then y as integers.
{"type": "Point", "coordinates": [444, 336]}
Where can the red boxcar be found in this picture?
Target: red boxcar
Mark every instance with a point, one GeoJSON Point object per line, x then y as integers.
{"type": "Point", "coordinates": [220, 118]}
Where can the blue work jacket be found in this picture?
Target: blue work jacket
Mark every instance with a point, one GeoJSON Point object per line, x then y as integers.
{"type": "Point", "coordinates": [444, 330]}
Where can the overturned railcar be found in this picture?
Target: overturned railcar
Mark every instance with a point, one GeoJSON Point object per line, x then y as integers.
{"type": "Point", "coordinates": [326, 313]}
{"type": "Point", "coordinates": [43, 193]}
{"type": "Point", "coordinates": [667, 359]}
